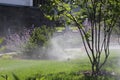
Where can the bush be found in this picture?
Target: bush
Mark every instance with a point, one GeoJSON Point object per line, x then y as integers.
{"type": "Point", "coordinates": [41, 35]}
{"type": "Point", "coordinates": [38, 43]}
{"type": "Point", "coordinates": [31, 43]}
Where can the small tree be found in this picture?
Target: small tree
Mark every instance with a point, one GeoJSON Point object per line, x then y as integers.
{"type": "Point", "coordinates": [95, 20]}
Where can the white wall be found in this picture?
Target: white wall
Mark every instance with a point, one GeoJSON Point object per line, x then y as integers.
{"type": "Point", "coordinates": [18, 2]}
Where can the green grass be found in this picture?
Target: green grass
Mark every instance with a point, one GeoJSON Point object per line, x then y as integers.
{"type": "Point", "coordinates": [26, 68]}
{"type": "Point", "coordinates": [113, 62]}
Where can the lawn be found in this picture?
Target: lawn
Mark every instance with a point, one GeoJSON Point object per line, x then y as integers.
{"type": "Point", "coordinates": [27, 68]}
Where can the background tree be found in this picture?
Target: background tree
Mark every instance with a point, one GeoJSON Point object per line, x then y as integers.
{"type": "Point", "coordinates": [95, 20]}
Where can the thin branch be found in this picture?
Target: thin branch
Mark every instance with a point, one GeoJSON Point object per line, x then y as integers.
{"type": "Point", "coordinates": [82, 34]}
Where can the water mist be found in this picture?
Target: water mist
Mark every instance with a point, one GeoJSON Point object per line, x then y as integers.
{"type": "Point", "coordinates": [65, 45]}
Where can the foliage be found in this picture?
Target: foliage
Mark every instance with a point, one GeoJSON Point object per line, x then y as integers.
{"type": "Point", "coordinates": [92, 17]}
{"type": "Point", "coordinates": [15, 77]}
{"type": "Point", "coordinates": [41, 35]}
{"type": "Point", "coordinates": [70, 76]}
{"type": "Point", "coordinates": [48, 8]}
{"type": "Point", "coordinates": [30, 42]}
{"type": "Point", "coordinates": [5, 77]}
{"type": "Point", "coordinates": [38, 42]}
{"type": "Point", "coordinates": [16, 41]}
{"type": "Point", "coordinates": [66, 76]}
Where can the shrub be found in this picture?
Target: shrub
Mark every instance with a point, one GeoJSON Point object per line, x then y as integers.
{"type": "Point", "coordinates": [31, 43]}
{"type": "Point", "coordinates": [38, 42]}
{"type": "Point", "coordinates": [41, 35]}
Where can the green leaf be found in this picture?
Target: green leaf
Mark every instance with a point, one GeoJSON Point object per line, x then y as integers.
{"type": "Point", "coordinates": [67, 6]}
{"type": "Point", "coordinates": [49, 17]}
